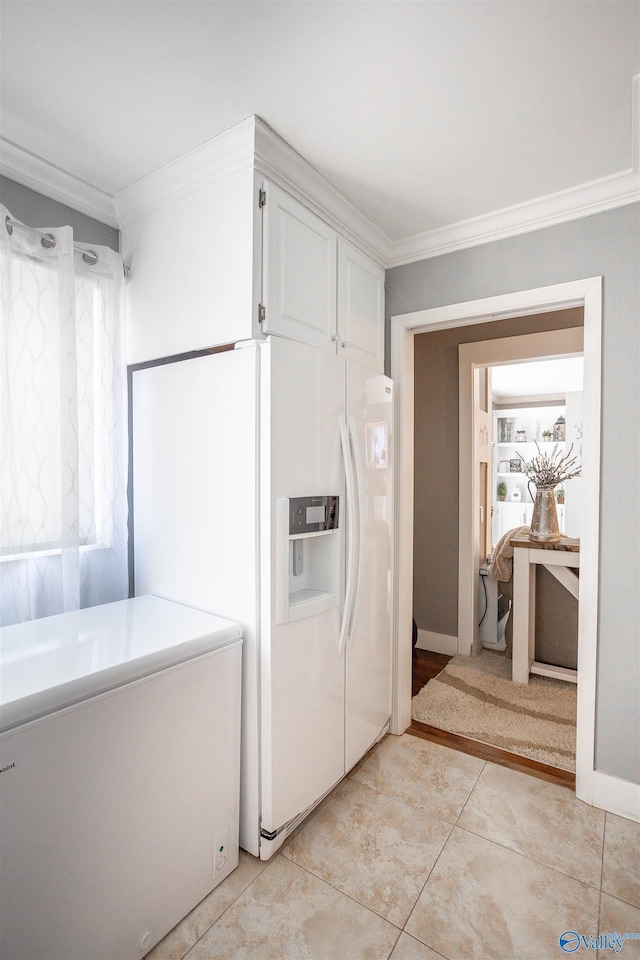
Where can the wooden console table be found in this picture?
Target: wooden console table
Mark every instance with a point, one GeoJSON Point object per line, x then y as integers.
{"type": "Point", "coordinates": [558, 558]}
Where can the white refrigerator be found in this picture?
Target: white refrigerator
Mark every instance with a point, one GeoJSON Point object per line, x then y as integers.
{"type": "Point", "coordinates": [262, 491]}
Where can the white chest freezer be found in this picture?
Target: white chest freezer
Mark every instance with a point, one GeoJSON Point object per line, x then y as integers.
{"type": "Point", "coordinates": [119, 776]}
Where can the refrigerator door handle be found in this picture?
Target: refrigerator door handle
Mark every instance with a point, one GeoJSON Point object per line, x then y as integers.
{"type": "Point", "coordinates": [351, 556]}
{"type": "Point", "coordinates": [359, 520]}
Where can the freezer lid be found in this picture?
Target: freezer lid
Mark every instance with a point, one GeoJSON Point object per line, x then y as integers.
{"type": "Point", "coordinates": [55, 661]}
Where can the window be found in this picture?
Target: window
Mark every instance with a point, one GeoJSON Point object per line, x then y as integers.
{"type": "Point", "coordinates": [62, 420]}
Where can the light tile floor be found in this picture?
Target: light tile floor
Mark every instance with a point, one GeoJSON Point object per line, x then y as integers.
{"type": "Point", "coordinates": [423, 853]}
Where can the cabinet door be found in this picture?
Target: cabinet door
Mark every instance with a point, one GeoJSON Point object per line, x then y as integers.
{"type": "Point", "coordinates": [299, 278]}
{"type": "Point", "coordinates": [360, 307]}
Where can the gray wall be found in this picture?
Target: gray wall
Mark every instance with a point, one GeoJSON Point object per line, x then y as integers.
{"type": "Point", "coordinates": [38, 211]}
{"type": "Point", "coordinates": [607, 245]}
{"type": "Point", "coordinates": [435, 529]}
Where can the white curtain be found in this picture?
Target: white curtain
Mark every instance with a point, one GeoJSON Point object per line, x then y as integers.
{"type": "Point", "coordinates": [63, 449]}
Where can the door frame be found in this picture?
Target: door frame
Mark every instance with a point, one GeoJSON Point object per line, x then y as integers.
{"type": "Point", "coordinates": [585, 293]}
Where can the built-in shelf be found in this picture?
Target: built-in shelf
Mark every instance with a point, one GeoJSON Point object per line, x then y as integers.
{"type": "Point", "coordinates": [517, 507]}
{"type": "Point", "coordinates": [532, 443]}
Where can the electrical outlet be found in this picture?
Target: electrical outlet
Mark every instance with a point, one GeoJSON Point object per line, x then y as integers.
{"type": "Point", "coordinates": [221, 851]}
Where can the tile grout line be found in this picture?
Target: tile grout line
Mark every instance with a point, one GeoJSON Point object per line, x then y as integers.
{"type": "Point", "coordinates": [229, 905]}
{"type": "Point", "coordinates": [280, 853]}
{"type": "Point", "coordinates": [416, 810]}
{"type": "Point", "coordinates": [510, 759]}
{"type": "Point", "coordinates": [533, 859]}
{"type": "Point", "coordinates": [411, 912]}
{"type": "Point", "coordinates": [347, 895]}
{"type": "Point", "coordinates": [411, 806]}
{"type": "Point", "coordinates": [475, 784]}
{"type": "Point", "coordinates": [525, 856]}
{"type": "Point", "coordinates": [400, 800]}
{"type": "Point", "coordinates": [608, 893]}
{"type": "Point", "coordinates": [436, 861]}
{"type": "Point", "coordinates": [604, 841]}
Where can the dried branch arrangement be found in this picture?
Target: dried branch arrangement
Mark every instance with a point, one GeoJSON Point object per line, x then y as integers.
{"type": "Point", "coordinates": [550, 469]}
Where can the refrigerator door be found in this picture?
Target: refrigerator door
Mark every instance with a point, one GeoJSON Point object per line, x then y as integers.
{"type": "Point", "coordinates": [369, 637]}
{"type": "Point", "coordinates": [194, 481]}
{"type": "Point", "coordinates": [195, 503]}
{"type": "Point", "coordinates": [302, 672]}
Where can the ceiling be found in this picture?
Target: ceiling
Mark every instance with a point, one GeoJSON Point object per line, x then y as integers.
{"type": "Point", "coordinates": [426, 114]}
{"type": "Point", "coordinates": [537, 378]}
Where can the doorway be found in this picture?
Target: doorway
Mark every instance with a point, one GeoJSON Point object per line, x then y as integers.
{"type": "Point", "coordinates": [461, 370]}
{"type": "Point", "coordinates": [583, 293]}
{"type": "Point", "coordinates": [474, 500]}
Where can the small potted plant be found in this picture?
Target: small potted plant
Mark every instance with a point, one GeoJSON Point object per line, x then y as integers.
{"type": "Point", "coordinates": [502, 490]}
{"type": "Point", "coordinates": [547, 435]}
{"type": "Point", "coordinates": [560, 494]}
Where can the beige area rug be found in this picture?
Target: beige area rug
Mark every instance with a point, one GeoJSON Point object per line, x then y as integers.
{"type": "Point", "coordinates": [476, 698]}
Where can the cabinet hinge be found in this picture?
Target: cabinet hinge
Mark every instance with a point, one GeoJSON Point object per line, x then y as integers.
{"type": "Point", "coordinates": [262, 198]}
{"type": "Point", "coordinates": [262, 313]}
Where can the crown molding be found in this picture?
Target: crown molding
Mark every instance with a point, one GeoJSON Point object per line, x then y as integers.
{"type": "Point", "coordinates": [278, 161]}
{"type": "Point", "coordinates": [583, 201]}
{"type": "Point", "coordinates": [211, 163]}
{"type": "Point", "coordinates": [44, 177]}
{"type": "Point", "coordinates": [252, 144]}
{"type": "Point", "coordinates": [253, 141]}
{"type": "Point", "coordinates": [503, 403]}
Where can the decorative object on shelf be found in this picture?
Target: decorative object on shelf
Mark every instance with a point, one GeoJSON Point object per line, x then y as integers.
{"type": "Point", "coordinates": [505, 429]}
{"type": "Point", "coordinates": [547, 471]}
{"type": "Point", "coordinates": [560, 494]}
{"type": "Point", "coordinates": [547, 435]}
{"type": "Point", "coordinates": [502, 490]}
{"type": "Point", "coordinates": [521, 436]}
{"type": "Point", "coordinates": [504, 466]}
{"type": "Point", "coordinates": [544, 520]}
{"type": "Point", "coordinates": [515, 466]}
{"type": "Point", "coordinates": [559, 429]}
{"type": "Point", "coordinates": [516, 496]}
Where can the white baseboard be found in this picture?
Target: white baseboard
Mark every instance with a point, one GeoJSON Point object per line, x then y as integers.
{"type": "Point", "coordinates": [437, 642]}
{"type": "Point", "coordinates": [615, 795]}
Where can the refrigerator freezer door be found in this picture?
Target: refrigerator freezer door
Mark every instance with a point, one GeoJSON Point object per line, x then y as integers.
{"type": "Point", "coordinates": [195, 462]}
{"type": "Point", "coordinates": [302, 673]}
{"type": "Point", "coordinates": [194, 480]}
{"type": "Point", "coordinates": [369, 641]}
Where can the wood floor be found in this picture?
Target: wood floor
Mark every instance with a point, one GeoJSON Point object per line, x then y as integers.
{"type": "Point", "coordinates": [426, 666]}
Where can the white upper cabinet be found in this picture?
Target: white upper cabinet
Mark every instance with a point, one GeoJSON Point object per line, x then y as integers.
{"type": "Point", "coordinates": [210, 264]}
{"type": "Point", "coordinates": [299, 272]}
{"type": "Point", "coordinates": [360, 307]}
{"type": "Point", "coordinates": [317, 287]}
